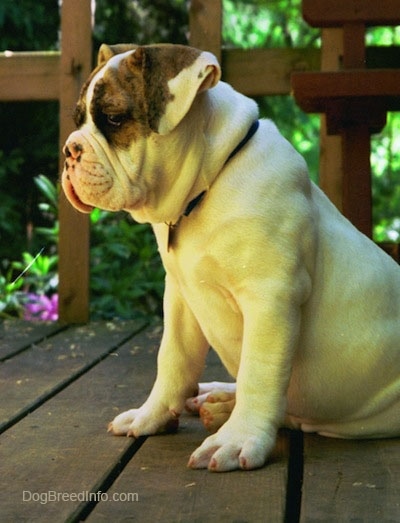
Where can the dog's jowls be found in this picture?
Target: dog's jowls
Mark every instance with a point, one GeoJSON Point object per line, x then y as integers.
{"type": "Point", "coordinates": [303, 310]}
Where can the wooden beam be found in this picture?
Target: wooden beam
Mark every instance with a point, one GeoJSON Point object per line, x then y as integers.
{"type": "Point", "coordinates": [261, 72]}
{"type": "Point", "coordinates": [315, 88]}
{"type": "Point", "coordinates": [74, 227]}
{"type": "Point", "coordinates": [329, 13]}
{"type": "Point", "coordinates": [354, 45]}
{"type": "Point", "coordinates": [254, 72]}
{"type": "Point", "coordinates": [205, 25]}
{"type": "Point", "coordinates": [331, 165]}
{"type": "Point", "coordinates": [357, 193]}
{"type": "Point", "coordinates": [29, 76]}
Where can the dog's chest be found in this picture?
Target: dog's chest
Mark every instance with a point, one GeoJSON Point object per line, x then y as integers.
{"type": "Point", "coordinates": [198, 279]}
{"type": "Point", "coordinates": [219, 317]}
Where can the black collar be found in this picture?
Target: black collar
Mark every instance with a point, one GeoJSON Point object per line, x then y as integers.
{"type": "Point", "coordinates": [250, 133]}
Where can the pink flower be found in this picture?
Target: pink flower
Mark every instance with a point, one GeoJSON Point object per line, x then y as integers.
{"type": "Point", "coordinates": [41, 307]}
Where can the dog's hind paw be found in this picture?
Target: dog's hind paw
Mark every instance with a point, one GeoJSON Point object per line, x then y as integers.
{"type": "Point", "coordinates": [216, 410]}
{"type": "Point", "coordinates": [214, 403]}
{"type": "Point", "coordinates": [205, 389]}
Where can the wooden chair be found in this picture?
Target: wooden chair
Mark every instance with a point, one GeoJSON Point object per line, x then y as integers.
{"type": "Point", "coordinates": [353, 99]}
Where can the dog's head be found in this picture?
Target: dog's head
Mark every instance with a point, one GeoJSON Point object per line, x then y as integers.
{"type": "Point", "coordinates": [127, 146]}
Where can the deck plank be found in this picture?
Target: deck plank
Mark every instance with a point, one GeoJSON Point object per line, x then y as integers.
{"type": "Point", "coordinates": [63, 446]}
{"type": "Point", "coordinates": [166, 490]}
{"type": "Point", "coordinates": [347, 480]}
{"type": "Point", "coordinates": [17, 335]}
{"type": "Point", "coordinates": [27, 379]}
{"type": "Point", "coordinates": [170, 492]}
{"type": "Point", "coordinates": [84, 376]}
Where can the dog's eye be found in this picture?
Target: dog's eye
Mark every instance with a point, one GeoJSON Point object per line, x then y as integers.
{"type": "Point", "coordinates": [115, 120]}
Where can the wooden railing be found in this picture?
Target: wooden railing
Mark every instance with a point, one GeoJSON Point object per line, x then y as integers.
{"type": "Point", "coordinates": [353, 99]}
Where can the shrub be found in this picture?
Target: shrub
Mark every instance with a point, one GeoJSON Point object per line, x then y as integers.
{"type": "Point", "coordinates": [126, 277]}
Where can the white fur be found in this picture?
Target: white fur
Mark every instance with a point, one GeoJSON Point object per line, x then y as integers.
{"type": "Point", "coordinates": [303, 310]}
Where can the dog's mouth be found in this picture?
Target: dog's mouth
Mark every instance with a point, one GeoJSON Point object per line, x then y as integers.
{"type": "Point", "coordinates": [72, 196]}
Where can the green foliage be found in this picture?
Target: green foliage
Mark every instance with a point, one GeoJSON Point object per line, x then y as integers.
{"type": "Point", "coordinates": [276, 23]}
{"type": "Point", "coordinates": [19, 280]}
{"type": "Point", "coordinates": [10, 295]}
{"type": "Point", "coordinates": [385, 158]}
{"type": "Point", "coordinates": [140, 21]}
{"type": "Point", "coordinates": [39, 272]}
{"type": "Point", "coordinates": [11, 227]}
{"type": "Point", "coordinates": [28, 147]}
{"type": "Point", "coordinates": [127, 278]}
{"type": "Point", "coordinates": [49, 209]}
{"type": "Point", "coordinates": [33, 276]}
{"type": "Point", "coordinates": [29, 25]}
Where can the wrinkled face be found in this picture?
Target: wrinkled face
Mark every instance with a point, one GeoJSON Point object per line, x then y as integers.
{"type": "Point", "coordinates": [128, 104]}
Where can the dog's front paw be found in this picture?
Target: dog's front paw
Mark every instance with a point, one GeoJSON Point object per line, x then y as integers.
{"type": "Point", "coordinates": [140, 422]}
{"type": "Point", "coordinates": [231, 449]}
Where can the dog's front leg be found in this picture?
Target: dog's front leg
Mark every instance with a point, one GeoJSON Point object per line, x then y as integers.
{"type": "Point", "coordinates": [180, 363]}
{"type": "Point", "coordinates": [249, 435]}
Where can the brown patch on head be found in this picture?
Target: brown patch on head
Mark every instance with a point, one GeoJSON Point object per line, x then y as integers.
{"type": "Point", "coordinates": [79, 114]}
{"type": "Point", "coordinates": [108, 51]}
{"type": "Point", "coordinates": [118, 106]}
{"type": "Point", "coordinates": [80, 111]}
{"type": "Point", "coordinates": [159, 65]}
{"type": "Point", "coordinates": [131, 97]}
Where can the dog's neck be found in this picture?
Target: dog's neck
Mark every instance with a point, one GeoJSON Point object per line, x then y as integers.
{"type": "Point", "coordinates": [230, 118]}
{"type": "Point", "coordinates": [198, 150]}
{"type": "Point", "coordinates": [250, 133]}
{"type": "Point", "coordinates": [198, 199]}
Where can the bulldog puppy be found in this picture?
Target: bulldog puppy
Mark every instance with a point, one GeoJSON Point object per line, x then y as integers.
{"type": "Point", "coordinates": [303, 310]}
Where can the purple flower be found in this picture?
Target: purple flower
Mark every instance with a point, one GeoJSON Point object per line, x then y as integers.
{"type": "Point", "coordinates": [41, 307]}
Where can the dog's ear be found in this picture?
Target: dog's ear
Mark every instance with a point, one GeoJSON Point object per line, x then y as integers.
{"type": "Point", "coordinates": [204, 73]}
{"type": "Point", "coordinates": [173, 75]}
{"type": "Point", "coordinates": [108, 51]}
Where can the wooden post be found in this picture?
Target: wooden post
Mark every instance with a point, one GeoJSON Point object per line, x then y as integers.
{"type": "Point", "coordinates": [357, 198]}
{"type": "Point", "coordinates": [73, 249]}
{"type": "Point", "coordinates": [205, 23]}
{"type": "Point", "coordinates": [356, 142]}
{"type": "Point", "coordinates": [345, 165]}
{"type": "Point", "coordinates": [331, 168]}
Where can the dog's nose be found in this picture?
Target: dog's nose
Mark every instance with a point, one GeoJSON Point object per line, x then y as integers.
{"type": "Point", "coordinates": [73, 150]}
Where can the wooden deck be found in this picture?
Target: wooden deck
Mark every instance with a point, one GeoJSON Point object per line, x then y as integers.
{"type": "Point", "coordinates": [60, 386]}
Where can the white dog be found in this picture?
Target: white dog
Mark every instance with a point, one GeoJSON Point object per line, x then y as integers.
{"type": "Point", "coordinates": [303, 310]}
